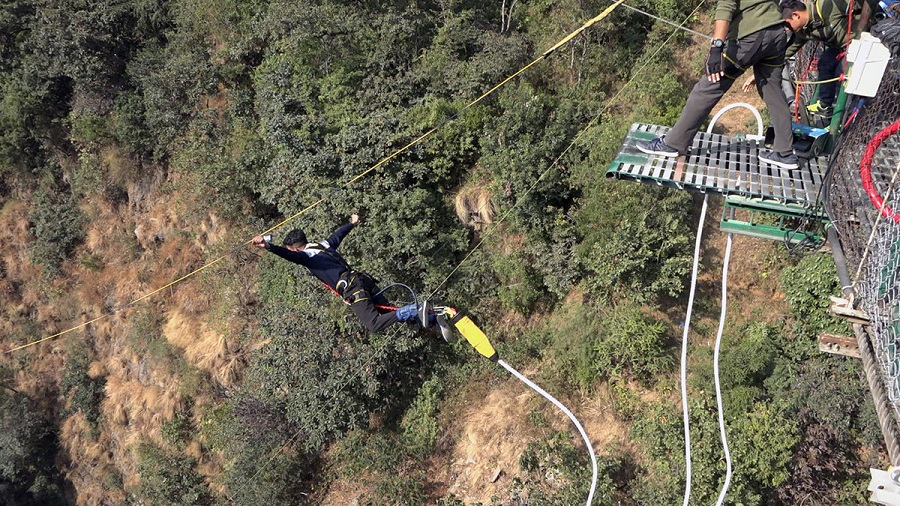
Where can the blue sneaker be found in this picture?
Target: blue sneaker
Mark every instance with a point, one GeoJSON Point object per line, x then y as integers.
{"type": "Point", "coordinates": [657, 147]}
{"type": "Point", "coordinates": [788, 161]}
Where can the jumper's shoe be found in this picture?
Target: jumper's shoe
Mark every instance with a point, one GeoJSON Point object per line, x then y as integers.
{"type": "Point", "coordinates": [788, 161]}
{"type": "Point", "coordinates": [657, 147]}
{"type": "Point", "coordinates": [820, 109]}
{"type": "Point", "coordinates": [426, 315]}
{"type": "Point", "coordinates": [441, 315]}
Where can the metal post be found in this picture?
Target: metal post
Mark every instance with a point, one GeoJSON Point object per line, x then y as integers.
{"type": "Point", "coordinates": [840, 263]}
{"type": "Point", "coordinates": [885, 413]}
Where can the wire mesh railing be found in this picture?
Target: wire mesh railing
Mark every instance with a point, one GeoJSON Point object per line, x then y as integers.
{"type": "Point", "coordinates": [871, 240]}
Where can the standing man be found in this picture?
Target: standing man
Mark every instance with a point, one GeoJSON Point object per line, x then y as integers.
{"type": "Point", "coordinates": [826, 22]}
{"type": "Point", "coordinates": [747, 33]}
{"type": "Point", "coordinates": [325, 263]}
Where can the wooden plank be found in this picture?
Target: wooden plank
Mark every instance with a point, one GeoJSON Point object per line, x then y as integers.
{"type": "Point", "coordinates": [678, 170]}
{"type": "Point", "coordinates": [693, 160]}
{"type": "Point", "coordinates": [734, 176]}
{"type": "Point", "coordinates": [664, 169]}
{"type": "Point", "coordinates": [726, 181]}
{"type": "Point", "coordinates": [842, 307]}
{"type": "Point", "coordinates": [839, 345]}
{"type": "Point", "coordinates": [703, 160]}
{"type": "Point", "coordinates": [715, 160]}
{"type": "Point", "coordinates": [784, 179]}
{"type": "Point", "coordinates": [809, 191]}
{"type": "Point", "coordinates": [816, 171]}
{"type": "Point", "coordinates": [753, 173]}
{"type": "Point", "coordinates": [737, 158]}
{"type": "Point", "coordinates": [766, 181]}
{"type": "Point", "coordinates": [657, 169]}
{"type": "Point", "coordinates": [709, 158]}
{"type": "Point", "coordinates": [798, 193]}
{"type": "Point", "coordinates": [741, 183]}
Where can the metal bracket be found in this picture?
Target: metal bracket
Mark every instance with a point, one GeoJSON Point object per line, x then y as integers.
{"type": "Point", "coordinates": [839, 345]}
{"type": "Point", "coordinates": [844, 308]}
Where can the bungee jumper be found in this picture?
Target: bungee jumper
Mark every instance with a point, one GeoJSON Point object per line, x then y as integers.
{"type": "Point", "coordinates": [358, 289]}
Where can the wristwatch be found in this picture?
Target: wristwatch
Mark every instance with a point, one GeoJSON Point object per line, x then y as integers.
{"type": "Point", "coordinates": [717, 43]}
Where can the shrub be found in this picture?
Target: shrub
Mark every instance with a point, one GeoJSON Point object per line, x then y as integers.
{"type": "Point", "coordinates": [558, 472]}
{"type": "Point", "coordinates": [178, 430]}
{"type": "Point", "coordinates": [56, 226]}
{"type": "Point", "coordinates": [634, 343]}
{"type": "Point", "coordinates": [520, 287]}
{"type": "Point", "coordinates": [84, 393]}
{"type": "Point", "coordinates": [400, 489]}
{"type": "Point", "coordinates": [636, 240]}
{"type": "Point", "coordinates": [169, 478]}
{"type": "Point", "coordinates": [807, 286]}
{"type": "Point", "coordinates": [264, 467]}
{"type": "Point", "coordinates": [419, 425]}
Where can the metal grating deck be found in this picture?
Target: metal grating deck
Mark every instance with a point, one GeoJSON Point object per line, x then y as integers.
{"type": "Point", "coordinates": [717, 164]}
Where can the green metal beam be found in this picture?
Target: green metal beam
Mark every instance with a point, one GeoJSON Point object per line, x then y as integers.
{"type": "Point", "coordinates": [774, 207]}
{"type": "Point", "coordinates": [761, 231]}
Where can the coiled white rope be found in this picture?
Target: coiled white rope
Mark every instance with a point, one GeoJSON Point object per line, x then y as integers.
{"type": "Point", "coordinates": [587, 442]}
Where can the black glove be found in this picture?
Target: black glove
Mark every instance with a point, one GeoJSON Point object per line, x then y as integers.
{"type": "Point", "coordinates": [715, 62]}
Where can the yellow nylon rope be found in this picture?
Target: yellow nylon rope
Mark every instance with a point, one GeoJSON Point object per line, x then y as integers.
{"type": "Point", "coordinates": [838, 78]}
{"type": "Point", "coordinates": [384, 160]}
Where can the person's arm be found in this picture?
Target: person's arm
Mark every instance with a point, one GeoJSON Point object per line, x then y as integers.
{"type": "Point", "coordinates": [335, 240]}
{"type": "Point", "coordinates": [796, 43]}
{"type": "Point", "coordinates": [291, 256]}
{"type": "Point", "coordinates": [715, 62]}
{"type": "Point", "coordinates": [720, 28]}
{"type": "Point", "coordinates": [725, 10]}
{"type": "Point", "coordinates": [296, 257]}
{"type": "Point", "coordinates": [839, 32]}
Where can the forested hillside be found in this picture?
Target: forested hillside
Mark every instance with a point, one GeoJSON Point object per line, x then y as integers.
{"type": "Point", "coordinates": [141, 140]}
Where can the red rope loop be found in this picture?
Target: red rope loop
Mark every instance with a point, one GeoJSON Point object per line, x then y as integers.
{"type": "Point", "coordinates": [865, 170]}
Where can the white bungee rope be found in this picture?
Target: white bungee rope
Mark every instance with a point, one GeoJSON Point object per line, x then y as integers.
{"type": "Point", "coordinates": [724, 309]}
{"type": "Point", "coordinates": [684, 349]}
{"type": "Point", "coordinates": [687, 324]}
{"type": "Point", "coordinates": [722, 435]}
{"type": "Point", "coordinates": [587, 442]}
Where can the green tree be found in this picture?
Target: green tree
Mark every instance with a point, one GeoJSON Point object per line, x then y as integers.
{"type": "Point", "coordinates": [635, 238]}
{"type": "Point", "coordinates": [56, 225]}
{"type": "Point", "coordinates": [28, 445]}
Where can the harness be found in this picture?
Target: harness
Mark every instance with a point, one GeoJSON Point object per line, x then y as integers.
{"type": "Point", "coordinates": [349, 278]}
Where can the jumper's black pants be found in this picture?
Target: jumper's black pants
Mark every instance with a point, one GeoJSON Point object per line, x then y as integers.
{"type": "Point", "coordinates": [359, 294]}
{"type": "Point", "coordinates": [829, 68]}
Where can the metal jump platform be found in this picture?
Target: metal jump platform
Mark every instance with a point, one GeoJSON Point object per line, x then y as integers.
{"type": "Point", "coordinates": [717, 164]}
{"type": "Point", "coordinates": [729, 166]}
